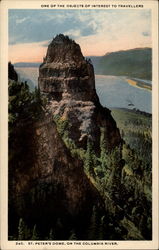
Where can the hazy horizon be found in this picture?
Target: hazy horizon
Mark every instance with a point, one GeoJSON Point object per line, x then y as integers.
{"type": "Point", "coordinates": [84, 55]}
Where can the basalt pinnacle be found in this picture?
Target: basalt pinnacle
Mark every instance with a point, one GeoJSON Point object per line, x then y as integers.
{"type": "Point", "coordinates": [68, 80]}
{"type": "Point", "coordinates": [63, 49]}
{"type": "Point", "coordinates": [66, 73]}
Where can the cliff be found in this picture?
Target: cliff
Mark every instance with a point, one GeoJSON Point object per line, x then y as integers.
{"type": "Point", "coordinates": [48, 184]}
{"type": "Point", "coordinates": [12, 74]}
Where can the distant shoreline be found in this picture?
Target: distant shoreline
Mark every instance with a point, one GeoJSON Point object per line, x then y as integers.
{"type": "Point", "coordinates": [139, 84]}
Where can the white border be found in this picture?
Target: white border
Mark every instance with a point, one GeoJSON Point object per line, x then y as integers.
{"type": "Point", "coordinates": [5, 244]}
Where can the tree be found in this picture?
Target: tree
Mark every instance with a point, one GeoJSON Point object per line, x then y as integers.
{"type": "Point", "coordinates": [20, 100]}
{"type": "Point", "coordinates": [73, 235]}
{"type": "Point", "coordinates": [23, 104]}
{"type": "Point", "coordinates": [89, 164]}
{"type": "Point", "coordinates": [35, 234]}
{"type": "Point", "coordinates": [103, 150]}
{"type": "Point", "coordinates": [21, 229]}
{"type": "Point", "coordinates": [51, 235]}
{"type": "Point", "coordinates": [93, 228]}
{"type": "Point", "coordinates": [101, 229]}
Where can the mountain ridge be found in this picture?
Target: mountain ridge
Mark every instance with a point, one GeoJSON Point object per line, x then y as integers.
{"type": "Point", "coordinates": [127, 63]}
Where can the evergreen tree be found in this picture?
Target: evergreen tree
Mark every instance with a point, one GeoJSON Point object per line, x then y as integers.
{"type": "Point", "coordinates": [103, 150]}
{"type": "Point", "coordinates": [23, 104]}
{"type": "Point", "coordinates": [35, 234]}
{"type": "Point", "coordinates": [101, 229]}
{"type": "Point", "coordinates": [72, 235]}
{"type": "Point", "coordinates": [51, 235]}
{"type": "Point", "coordinates": [27, 233]}
{"type": "Point", "coordinates": [59, 224]}
{"type": "Point", "coordinates": [93, 228]}
{"type": "Point", "coordinates": [59, 227]}
{"type": "Point", "coordinates": [89, 164]}
{"type": "Point", "coordinates": [21, 230]}
{"type": "Point", "coordinates": [20, 100]}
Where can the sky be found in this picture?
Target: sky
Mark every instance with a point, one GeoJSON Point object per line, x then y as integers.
{"type": "Point", "coordinates": [96, 31]}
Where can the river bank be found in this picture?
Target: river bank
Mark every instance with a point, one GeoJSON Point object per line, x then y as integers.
{"type": "Point", "coordinates": [139, 84]}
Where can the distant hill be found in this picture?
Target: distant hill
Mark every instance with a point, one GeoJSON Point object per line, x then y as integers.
{"type": "Point", "coordinates": [133, 63]}
{"type": "Point", "coordinates": [27, 64]}
{"type": "Point", "coordinates": [95, 61]}
{"type": "Point", "coordinates": [24, 77]}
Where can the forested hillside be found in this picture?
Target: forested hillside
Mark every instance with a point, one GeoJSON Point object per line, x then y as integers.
{"type": "Point", "coordinates": [132, 63]}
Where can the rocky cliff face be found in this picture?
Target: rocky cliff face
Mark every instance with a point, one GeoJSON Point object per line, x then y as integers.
{"type": "Point", "coordinates": [67, 79]}
{"type": "Point", "coordinates": [12, 74]}
{"type": "Point", "coordinates": [50, 184]}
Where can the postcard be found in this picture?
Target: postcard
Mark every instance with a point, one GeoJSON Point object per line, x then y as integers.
{"type": "Point", "coordinates": [79, 125]}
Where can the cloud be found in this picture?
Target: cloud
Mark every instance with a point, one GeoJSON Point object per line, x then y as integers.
{"type": "Point", "coordinates": [145, 33]}
{"type": "Point", "coordinates": [97, 31]}
{"type": "Point", "coordinates": [74, 33]}
{"type": "Point", "coordinates": [46, 44]}
{"type": "Point", "coordinates": [37, 25]}
{"type": "Point", "coordinates": [19, 21]}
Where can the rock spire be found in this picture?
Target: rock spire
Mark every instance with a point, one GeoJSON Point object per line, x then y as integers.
{"type": "Point", "coordinates": [68, 80]}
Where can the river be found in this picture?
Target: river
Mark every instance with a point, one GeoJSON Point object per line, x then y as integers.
{"type": "Point", "coordinates": [113, 91]}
